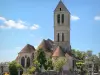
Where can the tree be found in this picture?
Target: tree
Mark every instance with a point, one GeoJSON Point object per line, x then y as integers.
{"type": "Point", "coordinates": [49, 64]}
{"type": "Point", "coordinates": [96, 62]}
{"type": "Point", "coordinates": [36, 64]}
{"type": "Point", "coordinates": [31, 70]}
{"type": "Point", "coordinates": [13, 68]}
{"type": "Point", "coordinates": [58, 64]}
{"type": "Point", "coordinates": [41, 58]}
{"type": "Point", "coordinates": [79, 54]}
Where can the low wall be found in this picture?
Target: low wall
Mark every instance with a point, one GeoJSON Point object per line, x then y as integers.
{"type": "Point", "coordinates": [52, 73]}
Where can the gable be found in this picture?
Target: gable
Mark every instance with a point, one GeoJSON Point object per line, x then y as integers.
{"type": "Point", "coordinates": [61, 7]}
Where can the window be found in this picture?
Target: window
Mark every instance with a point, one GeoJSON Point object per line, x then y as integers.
{"type": "Point", "coordinates": [62, 18]}
{"type": "Point", "coordinates": [62, 36]}
{"type": "Point", "coordinates": [23, 61]}
{"type": "Point", "coordinates": [58, 37]}
{"type": "Point", "coordinates": [58, 18]}
{"type": "Point", "coordinates": [60, 9]}
{"type": "Point", "coordinates": [28, 62]}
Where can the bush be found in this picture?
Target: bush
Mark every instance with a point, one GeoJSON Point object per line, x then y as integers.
{"type": "Point", "coordinates": [13, 68]}
{"type": "Point", "coordinates": [31, 70]}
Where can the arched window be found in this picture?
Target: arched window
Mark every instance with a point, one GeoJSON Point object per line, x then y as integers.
{"type": "Point", "coordinates": [58, 37]}
{"type": "Point", "coordinates": [58, 18]}
{"type": "Point", "coordinates": [62, 36]}
{"type": "Point", "coordinates": [28, 62]}
{"type": "Point", "coordinates": [23, 61]}
{"type": "Point", "coordinates": [62, 18]}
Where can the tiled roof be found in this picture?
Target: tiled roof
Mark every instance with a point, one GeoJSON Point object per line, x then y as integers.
{"type": "Point", "coordinates": [27, 49]}
{"type": "Point", "coordinates": [58, 52]}
{"type": "Point", "coordinates": [46, 45]}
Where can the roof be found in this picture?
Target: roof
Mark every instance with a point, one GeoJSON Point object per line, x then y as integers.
{"type": "Point", "coordinates": [62, 6]}
{"type": "Point", "coordinates": [46, 45]}
{"type": "Point", "coordinates": [58, 52]}
{"type": "Point", "coordinates": [27, 49]}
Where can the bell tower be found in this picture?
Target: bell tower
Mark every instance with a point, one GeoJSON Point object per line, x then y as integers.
{"type": "Point", "coordinates": [62, 26]}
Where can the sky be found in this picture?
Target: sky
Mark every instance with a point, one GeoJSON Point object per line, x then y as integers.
{"type": "Point", "coordinates": [30, 21]}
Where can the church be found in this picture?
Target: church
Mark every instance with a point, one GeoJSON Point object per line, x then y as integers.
{"type": "Point", "coordinates": [59, 47]}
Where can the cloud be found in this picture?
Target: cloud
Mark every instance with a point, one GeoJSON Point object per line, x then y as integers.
{"type": "Point", "coordinates": [97, 18]}
{"type": "Point", "coordinates": [16, 24]}
{"type": "Point", "coordinates": [2, 18]}
{"type": "Point", "coordinates": [13, 24]}
{"type": "Point", "coordinates": [2, 26]}
{"type": "Point", "coordinates": [74, 18]}
{"type": "Point", "coordinates": [34, 27]}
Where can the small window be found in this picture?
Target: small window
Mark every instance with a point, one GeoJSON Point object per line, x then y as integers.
{"type": "Point", "coordinates": [62, 36]}
{"type": "Point", "coordinates": [60, 9]}
{"type": "Point", "coordinates": [58, 18]}
{"type": "Point", "coordinates": [62, 18]}
{"type": "Point", "coordinates": [58, 37]}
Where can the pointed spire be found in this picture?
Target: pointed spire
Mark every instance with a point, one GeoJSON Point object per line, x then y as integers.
{"type": "Point", "coordinates": [62, 6]}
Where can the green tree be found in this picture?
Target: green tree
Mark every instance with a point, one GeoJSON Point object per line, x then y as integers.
{"type": "Point", "coordinates": [73, 51]}
{"type": "Point", "coordinates": [79, 54]}
{"type": "Point", "coordinates": [36, 64]}
{"type": "Point", "coordinates": [31, 70]}
{"type": "Point", "coordinates": [49, 64]}
{"type": "Point", "coordinates": [58, 64]}
{"type": "Point", "coordinates": [41, 58]}
{"type": "Point", "coordinates": [13, 68]}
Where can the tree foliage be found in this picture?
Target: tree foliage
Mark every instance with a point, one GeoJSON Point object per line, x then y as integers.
{"type": "Point", "coordinates": [58, 64]}
{"type": "Point", "coordinates": [36, 64]}
{"type": "Point", "coordinates": [79, 54]}
{"type": "Point", "coordinates": [40, 59]}
{"type": "Point", "coordinates": [49, 64]}
{"type": "Point", "coordinates": [13, 68]}
{"type": "Point", "coordinates": [88, 58]}
{"type": "Point", "coordinates": [31, 70]}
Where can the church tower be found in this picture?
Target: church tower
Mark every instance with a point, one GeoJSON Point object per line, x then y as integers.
{"type": "Point", "coordinates": [62, 26]}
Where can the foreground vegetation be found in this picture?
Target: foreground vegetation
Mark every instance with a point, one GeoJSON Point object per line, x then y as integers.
{"type": "Point", "coordinates": [41, 63]}
{"type": "Point", "coordinates": [13, 68]}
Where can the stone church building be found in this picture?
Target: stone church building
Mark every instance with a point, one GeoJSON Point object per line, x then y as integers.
{"type": "Point", "coordinates": [59, 47]}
